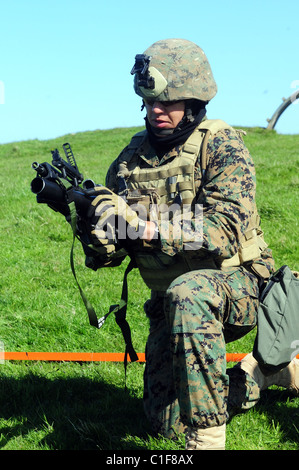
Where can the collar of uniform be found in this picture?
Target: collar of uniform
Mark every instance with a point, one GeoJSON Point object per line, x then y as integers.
{"type": "Point", "coordinates": [171, 154]}
{"type": "Point", "coordinates": [149, 155]}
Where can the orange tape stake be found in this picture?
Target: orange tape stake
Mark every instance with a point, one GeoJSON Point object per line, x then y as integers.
{"type": "Point", "coordinates": [86, 357]}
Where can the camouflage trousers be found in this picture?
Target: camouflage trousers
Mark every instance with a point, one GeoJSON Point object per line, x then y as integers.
{"type": "Point", "coordinates": [186, 380]}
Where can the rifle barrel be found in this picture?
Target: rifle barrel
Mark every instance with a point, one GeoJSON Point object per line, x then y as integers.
{"type": "Point", "coordinates": [49, 192]}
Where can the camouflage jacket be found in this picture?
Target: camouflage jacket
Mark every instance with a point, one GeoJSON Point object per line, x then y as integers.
{"type": "Point", "coordinates": [226, 194]}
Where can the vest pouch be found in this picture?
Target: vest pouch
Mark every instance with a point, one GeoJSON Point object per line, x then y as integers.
{"type": "Point", "coordinates": [253, 245]}
{"type": "Point", "coordinates": [144, 201]}
{"type": "Point", "coordinates": [249, 251]}
{"type": "Point", "coordinates": [251, 248]}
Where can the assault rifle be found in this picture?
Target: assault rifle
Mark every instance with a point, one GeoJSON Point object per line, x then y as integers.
{"type": "Point", "coordinates": [59, 184]}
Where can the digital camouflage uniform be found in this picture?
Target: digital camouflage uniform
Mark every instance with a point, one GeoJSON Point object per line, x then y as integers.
{"type": "Point", "coordinates": [205, 296]}
{"type": "Point", "coordinates": [207, 305]}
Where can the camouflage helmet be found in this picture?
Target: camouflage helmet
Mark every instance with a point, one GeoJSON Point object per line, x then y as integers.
{"type": "Point", "coordinates": [172, 70]}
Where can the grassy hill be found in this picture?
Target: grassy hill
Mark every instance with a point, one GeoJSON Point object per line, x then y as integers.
{"type": "Point", "coordinates": [62, 405]}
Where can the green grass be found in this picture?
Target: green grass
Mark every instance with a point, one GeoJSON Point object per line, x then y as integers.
{"type": "Point", "coordinates": [84, 405]}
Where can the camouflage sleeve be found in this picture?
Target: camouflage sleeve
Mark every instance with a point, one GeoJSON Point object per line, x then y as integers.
{"type": "Point", "coordinates": [226, 197]}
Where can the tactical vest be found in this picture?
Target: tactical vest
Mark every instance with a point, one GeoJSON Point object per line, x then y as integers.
{"type": "Point", "coordinates": [162, 186]}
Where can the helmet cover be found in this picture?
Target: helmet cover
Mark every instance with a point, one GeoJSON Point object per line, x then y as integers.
{"type": "Point", "coordinates": [174, 70]}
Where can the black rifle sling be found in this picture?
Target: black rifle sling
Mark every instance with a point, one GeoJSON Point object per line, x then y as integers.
{"type": "Point", "coordinates": [119, 310]}
{"type": "Point", "coordinates": [93, 320]}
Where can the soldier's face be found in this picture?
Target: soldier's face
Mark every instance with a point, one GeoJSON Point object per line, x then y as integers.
{"type": "Point", "coordinates": [164, 115]}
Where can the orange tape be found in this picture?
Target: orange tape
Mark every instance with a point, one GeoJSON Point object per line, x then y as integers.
{"type": "Point", "coordinates": [65, 356]}
{"type": "Point", "coordinates": [86, 357]}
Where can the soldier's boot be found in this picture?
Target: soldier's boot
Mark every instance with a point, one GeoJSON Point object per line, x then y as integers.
{"type": "Point", "coordinates": [288, 377]}
{"type": "Point", "coordinates": [206, 438]}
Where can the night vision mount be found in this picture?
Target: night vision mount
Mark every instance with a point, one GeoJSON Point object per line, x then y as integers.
{"type": "Point", "coordinates": [140, 68]}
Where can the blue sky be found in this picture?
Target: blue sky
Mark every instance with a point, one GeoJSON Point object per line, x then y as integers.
{"type": "Point", "coordinates": [65, 64]}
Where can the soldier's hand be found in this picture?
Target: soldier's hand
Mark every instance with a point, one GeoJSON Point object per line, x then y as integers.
{"type": "Point", "coordinates": [112, 219]}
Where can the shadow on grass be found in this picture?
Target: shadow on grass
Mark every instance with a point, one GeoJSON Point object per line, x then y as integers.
{"type": "Point", "coordinates": [281, 408]}
{"type": "Point", "coordinates": [70, 414]}
{"type": "Point", "coordinates": [277, 409]}
{"type": "Point", "coordinates": [83, 413]}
